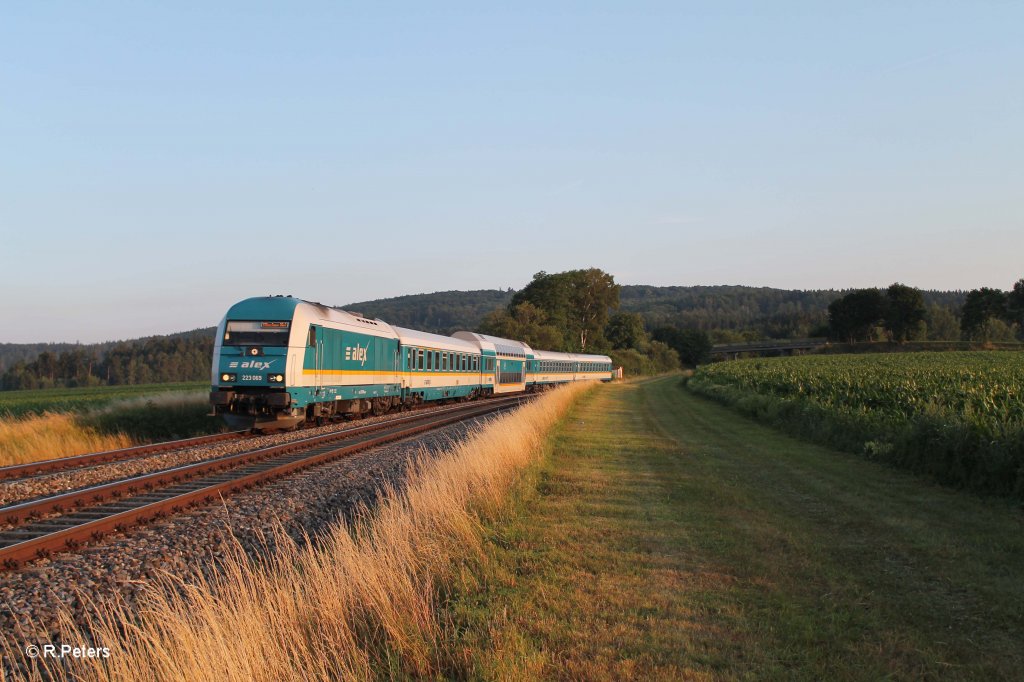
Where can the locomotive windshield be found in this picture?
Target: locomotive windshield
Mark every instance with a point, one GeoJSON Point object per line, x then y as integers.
{"type": "Point", "coordinates": [260, 333]}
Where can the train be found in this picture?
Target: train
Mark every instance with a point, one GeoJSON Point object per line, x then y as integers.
{"type": "Point", "coordinates": [280, 362]}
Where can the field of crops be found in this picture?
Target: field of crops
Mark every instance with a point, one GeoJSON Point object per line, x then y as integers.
{"type": "Point", "coordinates": [18, 403]}
{"type": "Point", "coordinates": [958, 416]}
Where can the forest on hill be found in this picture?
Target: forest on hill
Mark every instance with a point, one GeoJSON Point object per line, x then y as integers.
{"type": "Point", "coordinates": [724, 312]}
{"type": "Point", "coordinates": [184, 356]}
{"type": "Point", "coordinates": [717, 314]}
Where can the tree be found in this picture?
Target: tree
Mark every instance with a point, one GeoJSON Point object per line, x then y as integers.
{"type": "Point", "coordinates": [626, 330]}
{"type": "Point", "coordinates": [550, 293]}
{"type": "Point", "coordinates": [852, 317]}
{"type": "Point", "coordinates": [664, 357]}
{"type": "Point", "coordinates": [942, 324]}
{"type": "Point", "coordinates": [593, 293]}
{"type": "Point", "coordinates": [980, 306]}
{"type": "Point", "coordinates": [578, 302]}
{"type": "Point", "coordinates": [692, 345]}
{"type": "Point", "coordinates": [904, 311]}
{"type": "Point", "coordinates": [524, 322]}
{"type": "Point", "coordinates": [1015, 304]}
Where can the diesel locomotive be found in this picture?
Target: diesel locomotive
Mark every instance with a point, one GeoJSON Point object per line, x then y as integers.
{"type": "Point", "coordinates": [279, 362]}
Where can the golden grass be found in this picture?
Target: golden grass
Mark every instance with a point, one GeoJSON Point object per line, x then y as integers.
{"type": "Point", "coordinates": [36, 437]}
{"type": "Point", "coordinates": [362, 603]}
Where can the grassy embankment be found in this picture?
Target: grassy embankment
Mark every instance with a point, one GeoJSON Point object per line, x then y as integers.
{"type": "Point", "coordinates": [670, 538]}
{"type": "Point", "coordinates": [361, 604]}
{"type": "Point", "coordinates": [44, 424]}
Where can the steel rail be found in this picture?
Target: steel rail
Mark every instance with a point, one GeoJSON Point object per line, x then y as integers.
{"type": "Point", "coordinates": [15, 514]}
{"type": "Point", "coordinates": [62, 463]}
{"type": "Point", "coordinates": [39, 545]}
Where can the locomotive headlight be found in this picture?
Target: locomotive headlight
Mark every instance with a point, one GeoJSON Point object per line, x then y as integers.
{"type": "Point", "coordinates": [276, 378]}
{"type": "Point", "coordinates": [228, 377]}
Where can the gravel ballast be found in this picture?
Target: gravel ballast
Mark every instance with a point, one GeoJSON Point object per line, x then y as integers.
{"type": "Point", "coordinates": [24, 490]}
{"type": "Point", "coordinates": [124, 564]}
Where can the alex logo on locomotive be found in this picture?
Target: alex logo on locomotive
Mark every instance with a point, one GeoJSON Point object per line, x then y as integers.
{"type": "Point", "coordinates": [357, 353]}
{"type": "Point", "coordinates": [250, 364]}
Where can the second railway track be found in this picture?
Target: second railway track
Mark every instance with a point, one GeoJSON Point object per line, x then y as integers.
{"type": "Point", "coordinates": [50, 466]}
{"type": "Point", "coordinates": [88, 514]}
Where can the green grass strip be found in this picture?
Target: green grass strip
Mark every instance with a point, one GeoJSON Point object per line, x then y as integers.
{"type": "Point", "coordinates": [670, 538]}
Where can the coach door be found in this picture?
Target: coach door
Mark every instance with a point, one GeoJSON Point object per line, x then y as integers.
{"type": "Point", "coordinates": [315, 355]}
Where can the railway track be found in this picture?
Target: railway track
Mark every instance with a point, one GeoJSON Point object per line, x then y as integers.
{"type": "Point", "coordinates": [89, 514]}
{"type": "Point", "coordinates": [49, 466]}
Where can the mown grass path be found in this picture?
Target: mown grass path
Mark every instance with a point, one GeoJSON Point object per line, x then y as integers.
{"type": "Point", "coordinates": [670, 538]}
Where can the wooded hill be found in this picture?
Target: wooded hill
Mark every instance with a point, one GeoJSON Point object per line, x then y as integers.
{"type": "Point", "coordinates": [726, 313]}
{"type": "Point", "coordinates": [760, 311]}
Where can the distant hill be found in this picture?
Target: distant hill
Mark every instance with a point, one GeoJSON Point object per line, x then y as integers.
{"type": "Point", "coordinates": [774, 313]}
{"type": "Point", "coordinates": [11, 353]}
{"type": "Point", "coordinates": [442, 312]}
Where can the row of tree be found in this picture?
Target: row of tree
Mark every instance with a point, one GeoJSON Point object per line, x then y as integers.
{"type": "Point", "coordinates": [899, 313]}
{"type": "Point", "coordinates": [153, 360]}
{"type": "Point", "coordinates": [573, 312]}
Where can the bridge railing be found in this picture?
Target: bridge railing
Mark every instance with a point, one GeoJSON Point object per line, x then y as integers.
{"type": "Point", "coordinates": [774, 344]}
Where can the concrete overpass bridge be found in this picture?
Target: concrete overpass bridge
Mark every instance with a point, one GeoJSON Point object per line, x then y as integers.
{"type": "Point", "coordinates": [732, 351]}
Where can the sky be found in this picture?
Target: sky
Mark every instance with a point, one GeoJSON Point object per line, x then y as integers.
{"type": "Point", "coordinates": [160, 161]}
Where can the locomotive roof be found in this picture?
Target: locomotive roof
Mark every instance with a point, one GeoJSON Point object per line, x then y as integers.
{"type": "Point", "coordinates": [300, 311]}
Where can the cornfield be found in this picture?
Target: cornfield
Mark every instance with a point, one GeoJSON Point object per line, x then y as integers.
{"type": "Point", "coordinates": [956, 415]}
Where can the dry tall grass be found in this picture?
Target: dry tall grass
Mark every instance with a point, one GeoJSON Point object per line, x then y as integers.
{"type": "Point", "coordinates": [36, 437]}
{"type": "Point", "coordinates": [359, 605]}
{"type": "Point", "coordinates": [63, 434]}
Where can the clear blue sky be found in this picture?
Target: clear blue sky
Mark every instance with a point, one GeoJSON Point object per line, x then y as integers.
{"type": "Point", "coordinates": [160, 161]}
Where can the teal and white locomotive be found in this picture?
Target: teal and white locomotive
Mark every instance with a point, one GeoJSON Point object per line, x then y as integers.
{"type": "Point", "coordinates": [280, 361]}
